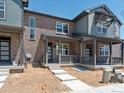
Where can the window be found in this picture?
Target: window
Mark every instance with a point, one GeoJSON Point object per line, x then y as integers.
{"type": "Point", "coordinates": [62, 28]}
{"type": "Point", "coordinates": [2, 10]}
{"type": "Point", "coordinates": [32, 27]}
{"type": "Point", "coordinates": [64, 49]}
{"type": "Point", "coordinates": [104, 50]}
{"type": "Point", "coordinates": [101, 28]}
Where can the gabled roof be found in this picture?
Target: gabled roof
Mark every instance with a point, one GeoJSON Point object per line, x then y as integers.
{"type": "Point", "coordinates": [90, 10]}
{"type": "Point", "coordinates": [83, 13]}
{"type": "Point", "coordinates": [48, 15]}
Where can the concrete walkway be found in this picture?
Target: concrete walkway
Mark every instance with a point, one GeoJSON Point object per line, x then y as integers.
{"type": "Point", "coordinates": [69, 80]}
{"type": "Point", "coordinates": [3, 76]}
{"type": "Point", "coordinates": [78, 86]}
{"type": "Point", "coordinates": [116, 88]}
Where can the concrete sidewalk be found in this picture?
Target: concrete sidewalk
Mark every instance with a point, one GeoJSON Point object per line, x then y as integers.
{"type": "Point", "coordinates": [116, 88]}
{"type": "Point", "coordinates": [69, 80]}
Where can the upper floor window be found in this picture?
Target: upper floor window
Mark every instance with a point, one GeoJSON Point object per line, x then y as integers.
{"type": "Point", "coordinates": [101, 28]}
{"type": "Point", "coordinates": [2, 10]}
{"type": "Point", "coordinates": [62, 28]}
{"type": "Point", "coordinates": [32, 25]}
{"type": "Point", "coordinates": [104, 50]}
{"type": "Point", "coordinates": [64, 49]}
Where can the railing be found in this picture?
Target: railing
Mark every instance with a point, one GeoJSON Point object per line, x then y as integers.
{"type": "Point", "coordinates": [56, 59]}
{"type": "Point", "coordinates": [117, 61]}
{"type": "Point", "coordinates": [70, 59]}
{"type": "Point", "coordinates": [87, 61]}
{"type": "Point", "coordinates": [103, 60]}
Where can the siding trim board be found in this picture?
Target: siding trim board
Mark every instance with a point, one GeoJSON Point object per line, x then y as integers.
{"type": "Point", "coordinates": [59, 37]}
{"type": "Point", "coordinates": [11, 28]}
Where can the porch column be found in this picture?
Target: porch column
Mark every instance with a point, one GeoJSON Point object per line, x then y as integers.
{"type": "Point", "coordinates": [94, 46]}
{"type": "Point", "coordinates": [122, 52]}
{"type": "Point", "coordinates": [21, 50]}
{"type": "Point", "coordinates": [46, 50]}
{"type": "Point", "coordinates": [81, 51]}
{"type": "Point", "coordinates": [59, 52]}
{"type": "Point", "coordinates": [110, 53]}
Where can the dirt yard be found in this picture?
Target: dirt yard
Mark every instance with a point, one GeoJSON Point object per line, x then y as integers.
{"type": "Point", "coordinates": [92, 78]}
{"type": "Point", "coordinates": [33, 80]}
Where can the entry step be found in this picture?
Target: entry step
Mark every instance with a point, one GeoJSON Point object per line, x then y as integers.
{"type": "Point", "coordinates": [58, 71]}
{"type": "Point", "coordinates": [66, 77]}
{"type": "Point", "coordinates": [4, 70]}
{"type": "Point", "coordinates": [54, 67]}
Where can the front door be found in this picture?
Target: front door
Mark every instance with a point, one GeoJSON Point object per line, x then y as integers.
{"type": "Point", "coordinates": [50, 52]}
{"type": "Point", "coordinates": [5, 51]}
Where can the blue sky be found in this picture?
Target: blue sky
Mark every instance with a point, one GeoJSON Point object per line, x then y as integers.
{"type": "Point", "coordinates": [71, 8]}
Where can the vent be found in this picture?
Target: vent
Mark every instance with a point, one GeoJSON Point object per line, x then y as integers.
{"type": "Point", "coordinates": [25, 3]}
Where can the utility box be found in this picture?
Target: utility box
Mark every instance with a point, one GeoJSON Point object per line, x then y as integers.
{"type": "Point", "coordinates": [106, 75]}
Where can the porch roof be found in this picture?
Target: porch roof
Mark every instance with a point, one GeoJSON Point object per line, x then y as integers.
{"type": "Point", "coordinates": [59, 36]}
{"type": "Point", "coordinates": [85, 37]}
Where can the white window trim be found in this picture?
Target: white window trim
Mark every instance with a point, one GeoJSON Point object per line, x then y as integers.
{"type": "Point", "coordinates": [101, 26]}
{"type": "Point", "coordinates": [104, 50]}
{"type": "Point", "coordinates": [3, 10]}
{"type": "Point", "coordinates": [62, 33]}
{"type": "Point", "coordinates": [34, 28]}
{"type": "Point", "coordinates": [62, 49]}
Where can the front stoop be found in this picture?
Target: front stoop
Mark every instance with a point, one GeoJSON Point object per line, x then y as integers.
{"type": "Point", "coordinates": [66, 77]}
{"type": "Point", "coordinates": [58, 72]}
{"type": "Point", "coordinates": [3, 76]}
{"type": "Point", "coordinates": [13, 69]}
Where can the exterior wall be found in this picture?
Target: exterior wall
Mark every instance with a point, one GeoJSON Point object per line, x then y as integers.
{"type": "Point", "coordinates": [37, 47]}
{"type": "Point", "coordinates": [81, 26]}
{"type": "Point", "coordinates": [31, 46]}
{"type": "Point", "coordinates": [13, 14]}
{"type": "Point", "coordinates": [15, 41]}
{"type": "Point", "coordinates": [116, 50]}
{"type": "Point", "coordinates": [47, 25]}
{"type": "Point", "coordinates": [45, 22]}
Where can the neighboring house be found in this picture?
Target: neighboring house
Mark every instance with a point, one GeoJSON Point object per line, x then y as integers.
{"type": "Point", "coordinates": [11, 31]}
{"type": "Point", "coordinates": [91, 39]}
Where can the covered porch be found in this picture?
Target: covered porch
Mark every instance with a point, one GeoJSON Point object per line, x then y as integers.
{"type": "Point", "coordinates": [87, 52]}
{"type": "Point", "coordinates": [11, 47]}
{"type": "Point", "coordinates": [100, 52]}
{"type": "Point", "coordinates": [61, 50]}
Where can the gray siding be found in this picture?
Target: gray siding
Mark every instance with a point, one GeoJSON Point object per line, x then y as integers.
{"type": "Point", "coordinates": [14, 13]}
{"type": "Point", "coordinates": [111, 32]}
{"type": "Point", "coordinates": [81, 25]}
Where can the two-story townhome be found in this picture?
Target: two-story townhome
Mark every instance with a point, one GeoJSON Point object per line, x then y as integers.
{"type": "Point", "coordinates": [89, 39]}
{"type": "Point", "coordinates": [11, 31]}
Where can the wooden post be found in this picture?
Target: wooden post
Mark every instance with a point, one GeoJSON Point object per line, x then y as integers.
{"type": "Point", "coordinates": [122, 53]}
{"type": "Point", "coordinates": [81, 51]}
{"type": "Point", "coordinates": [46, 50]}
{"type": "Point", "coordinates": [59, 52]}
{"type": "Point", "coordinates": [21, 51]}
{"type": "Point", "coordinates": [94, 51]}
{"type": "Point", "coordinates": [110, 53]}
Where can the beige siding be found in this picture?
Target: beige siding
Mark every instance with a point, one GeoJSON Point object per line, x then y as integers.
{"type": "Point", "coordinates": [116, 50]}
{"type": "Point", "coordinates": [81, 25]}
